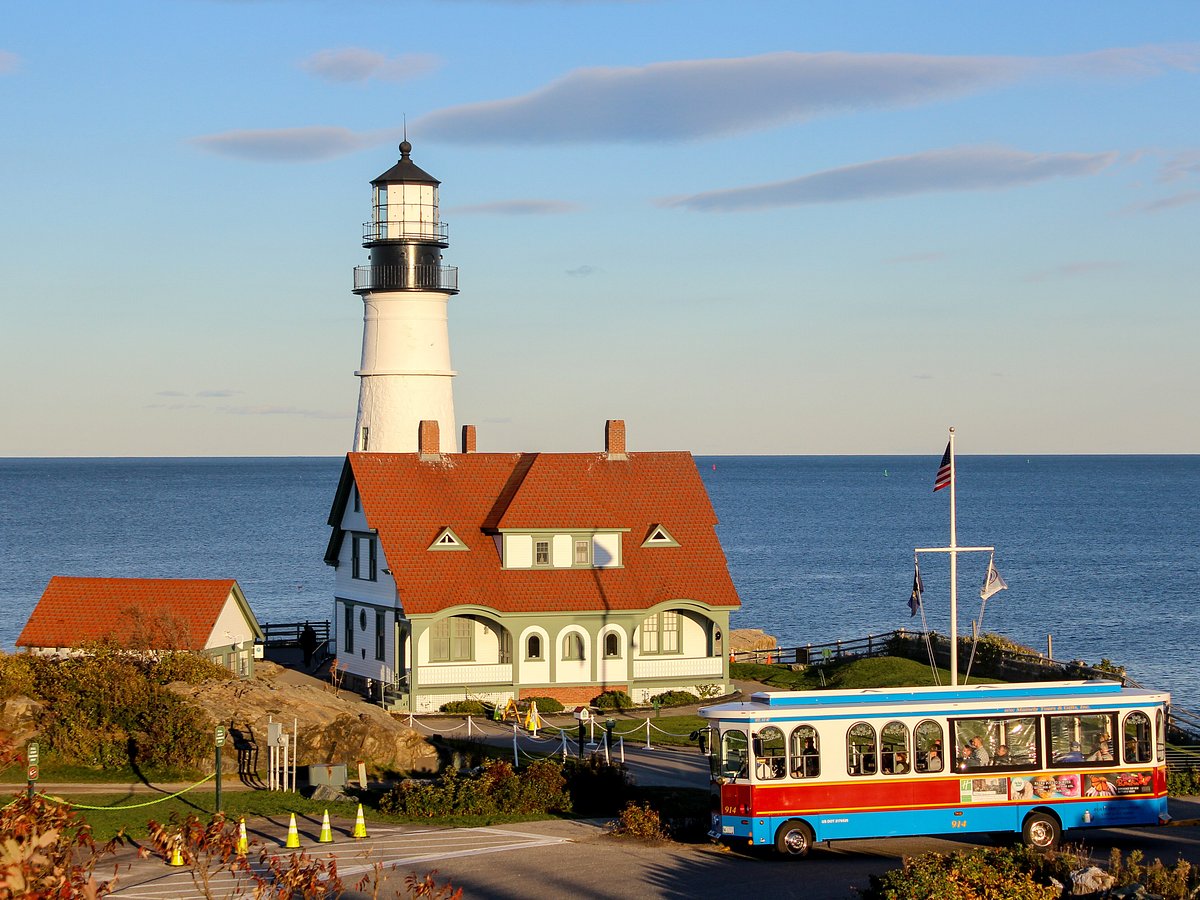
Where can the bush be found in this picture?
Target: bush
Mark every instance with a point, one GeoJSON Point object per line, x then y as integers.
{"type": "Point", "coordinates": [190, 668]}
{"type": "Point", "coordinates": [545, 704]}
{"type": "Point", "coordinates": [641, 822]}
{"type": "Point", "coordinates": [496, 789]}
{"type": "Point", "coordinates": [16, 675]}
{"type": "Point", "coordinates": [1171, 882]}
{"type": "Point", "coordinates": [675, 698]}
{"type": "Point", "coordinates": [1183, 782]}
{"type": "Point", "coordinates": [464, 708]}
{"type": "Point", "coordinates": [1010, 873]}
{"type": "Point", "coordinates": [597, 788]}
{"type": "Point", "coordinates": [613, 700]}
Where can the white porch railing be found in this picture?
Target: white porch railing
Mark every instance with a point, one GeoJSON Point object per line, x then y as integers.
{"type": "Point", "coordinates": [678, 667]}
{"type": "Point", "coordinates": [465, 674]}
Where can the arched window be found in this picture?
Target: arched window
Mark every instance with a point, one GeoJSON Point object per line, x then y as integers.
{"type": "Point", "coordinates": [862, 753]}
{"type": "Point", "coordinates": [572, 646]}
{"type": "Point", "coordinates": [1138, 742]}
{"type": "Point", "coordinates": [931, 750]}
{"type": "Point", "coordinates": [533, 647]}
{"type": "Point", "coordinates": [896, 759]}
{"type": "Point", "coordinates": [770, 758]}
{"type": "Point", "coordinates": [612, 645]}
{"type": "Point", "coordinates": [806, 752]}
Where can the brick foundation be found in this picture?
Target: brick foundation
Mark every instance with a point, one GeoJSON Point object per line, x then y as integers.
{"type": "Point", "coordinates": [570, 697]}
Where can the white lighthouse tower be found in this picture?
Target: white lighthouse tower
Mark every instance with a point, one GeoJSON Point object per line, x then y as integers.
{"type": "Point", "coordinates": [405, 371]}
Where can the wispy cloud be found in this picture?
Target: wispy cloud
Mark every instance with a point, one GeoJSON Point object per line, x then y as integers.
{"type": "Point", "coordinates": [8, 61]}
{"type": "Point", "coordinates": [1180, 166]}
{"type": "Point", "coordinates": [582, 271]}
{"type": "Point", "coordinates": [516, 208]}
{"type": "Point", "coordinates": [356, 64]}
{"type": "Point", "coordinates": [1074, 270]}
{"type": "Point", "coordinates": [931, 256]}
{"type": "Point", "coordinates": [308, 144]}
{"type": "Point", "coordinates": [174, 406]}
{"type": "Point", "coordinates": [690, 99]}
{"type": "Point", "coordinates": [954, 169]}
{"type": "Point", "coordinates": [217, 393]}
{"type": "Point", "coordinates": [282, 411]}
{"type": "Point", "coordinates": [169, 394]}
{"type": "Point", "coordinates": [1187, 198]}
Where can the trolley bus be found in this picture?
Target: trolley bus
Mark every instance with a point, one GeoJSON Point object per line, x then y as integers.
{"type": "Point", "coordinates": [793, 768]}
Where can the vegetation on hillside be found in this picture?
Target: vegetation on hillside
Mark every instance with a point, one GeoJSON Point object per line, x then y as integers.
{"type": "Point", "coordinates": [868, 672]}
{"type": "Point", "coordinates": [110, 709]}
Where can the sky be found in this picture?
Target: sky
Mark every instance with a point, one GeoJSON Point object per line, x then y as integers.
{"type": "Point", "coordinates": [769, 227]}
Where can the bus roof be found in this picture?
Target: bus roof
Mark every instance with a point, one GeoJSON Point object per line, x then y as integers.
{"type": "Point", "coordinates": [1043, 692]}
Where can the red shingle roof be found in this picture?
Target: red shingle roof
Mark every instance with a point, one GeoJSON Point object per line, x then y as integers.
{"type": "Point", "coordinates": [409, 501]}
{"type": "Point", "coordinates": [161, 613]}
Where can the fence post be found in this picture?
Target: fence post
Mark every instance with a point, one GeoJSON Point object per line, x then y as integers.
{"type": "Point", "coordinates": [621, 742]}
{"type": "Point", "coordinates": [591, 733]}
{"type": "Point", "coordinates": [870, 642]}
{"type": "Point", "coordinates": [516, 752]}
{"type": "Point", "coordinates": [468, 726]}
{"type": "Point", "coordinates": [563, 734]}
{"type": "Point", "coordinates": [648, 747]}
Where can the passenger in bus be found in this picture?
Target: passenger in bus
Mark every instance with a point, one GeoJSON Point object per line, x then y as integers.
{"type": "Point", "coordinates": [807, 765]}
{"type": "Point", "coordinates": [980, 752]}
{"type": "Point", "coordinates": [1103, 753]}
{"type": "Point", "coordinates": [901, 765]}
{"type": "Point", "coordinates": [1075, 754]}
{"type": "Point", "coordinates": [1002, 758]}
{"type": "Point", "coordinates": [933, 759]}
{"type": "Point", "coordinates": [966, 758]}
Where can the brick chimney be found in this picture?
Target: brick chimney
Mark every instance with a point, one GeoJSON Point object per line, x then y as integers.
{"type": "Point", "coordinates": [614, 439]}
{"type": "Point", "coordinates": [428, 442]}
{"type": "Point", "coordinates": [468, 439]}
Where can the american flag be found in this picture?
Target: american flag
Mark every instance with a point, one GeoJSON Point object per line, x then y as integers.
{"type": "Point", "coordinates": [943, 476]}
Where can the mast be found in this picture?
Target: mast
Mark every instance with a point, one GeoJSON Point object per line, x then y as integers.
{"type": "Point", "coordinates": [953, 573]}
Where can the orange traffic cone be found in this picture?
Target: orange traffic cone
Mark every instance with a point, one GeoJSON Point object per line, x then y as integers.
{"type": "Point", "coordinates": [293, 838]}
{"type": "Point", "coordinates": [326, 836]}
{"type": "Point", "coordinates": [360, 824]}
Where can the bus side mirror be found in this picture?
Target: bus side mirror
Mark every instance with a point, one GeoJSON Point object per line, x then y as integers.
{"type": "Point", "coordinates": [704, 737]}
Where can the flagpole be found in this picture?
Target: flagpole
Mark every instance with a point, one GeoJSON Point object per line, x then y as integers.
{"type": "Point", "coordinates": [953, 573]}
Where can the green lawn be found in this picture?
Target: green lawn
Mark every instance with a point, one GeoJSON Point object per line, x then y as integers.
{"type": "Point", "coordinates": [872, 672]}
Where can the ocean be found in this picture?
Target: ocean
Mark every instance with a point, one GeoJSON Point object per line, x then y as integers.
{"type": "Point", "coordinates": [1100, 552]}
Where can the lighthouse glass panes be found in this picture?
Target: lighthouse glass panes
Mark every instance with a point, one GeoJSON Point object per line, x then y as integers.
{"type": "Point", "coordinates": [381, 212]}
{"type": "Point", "coordinates": [406, 211]}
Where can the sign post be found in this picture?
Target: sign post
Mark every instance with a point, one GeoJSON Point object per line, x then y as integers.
{"type": "Point", "coordinates": [220, 742]}
{"type": "Point", "coordinates": [32, 754]}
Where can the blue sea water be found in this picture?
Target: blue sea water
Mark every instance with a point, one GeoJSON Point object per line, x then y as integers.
{"type": "Point", "coordinates": [1102, 552]}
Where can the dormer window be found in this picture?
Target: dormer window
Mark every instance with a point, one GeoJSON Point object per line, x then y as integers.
{"type": "Point", "coordinates": [583, 553]}
{"type": "Point", "coordinates": [541, 552]}
{"type": "Point", "coordinates": [659, 537]}
{"type": "Point", "coordinates": [448, 540]}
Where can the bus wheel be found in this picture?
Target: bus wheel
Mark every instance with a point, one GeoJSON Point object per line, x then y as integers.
{"type": "Point", "coordinates": [794, 839]}
{"type": "Point", "coordinates": [1041, 831]}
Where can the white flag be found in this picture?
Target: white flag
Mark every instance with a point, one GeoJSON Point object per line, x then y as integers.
{"type": "Point", "coordinates": [993, 583]}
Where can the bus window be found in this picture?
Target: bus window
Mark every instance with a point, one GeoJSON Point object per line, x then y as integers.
{"type": "Point", "coordinates": [770, 759]}
{"type": "Point", "coordinates": [733, 754]}
{"type": "Point", "coordinates": [806, 752]}
{"type": "Point", "coordinates": [1081, 739]}
{"type": "Point", "coordinates": [862, 756]}
{"type": "Point", "coordinates": [1009, 743]}
{"type": "Point", "coordinates": [930, 751]}
{"type": "Point", "coordinates": [1138, 743]}
{"type": "Point", "coordinates": [1162, 736]}
{"type": "Point", "coordinates": [894, 739]}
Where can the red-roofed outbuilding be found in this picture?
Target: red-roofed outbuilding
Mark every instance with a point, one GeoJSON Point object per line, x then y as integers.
{"type": "Point", "coordinates": [207, 616]}
{"type": "Point", "coordinates": [501, 575]}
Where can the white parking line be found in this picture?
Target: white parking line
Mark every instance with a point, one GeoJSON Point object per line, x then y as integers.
{"type": "Point", "coordinates": [389, 849]}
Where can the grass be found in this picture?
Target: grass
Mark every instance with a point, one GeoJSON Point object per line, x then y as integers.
{"type": "Point", "coordinates": [872, 672]}
{"type": "Point", "coordinates": [51, 770]}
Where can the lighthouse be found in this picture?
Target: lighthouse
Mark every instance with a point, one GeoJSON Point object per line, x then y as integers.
{"type": "Point", "coordinates": [405, 375]}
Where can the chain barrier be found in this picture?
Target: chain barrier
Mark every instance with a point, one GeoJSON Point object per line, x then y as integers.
{"type": "Point", "coordinates": [66, 802]}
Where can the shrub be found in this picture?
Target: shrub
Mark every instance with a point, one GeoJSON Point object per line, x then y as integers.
{"type": "Point", "coordinates": [47, 851]}
{"type": "Point", "coordinates": [16, 675]}
{"type": "Point", "coordinates": [497, 788]}
{"type": "Point", "coordinates": [613, 700]}
{"type": "Point", "coordinates": [190, 668]}
{"type": "Point", "coordinates": [1183, 782]}
{"type": "Point", "coordinates": [464, 707]}
{"type": "Point", "coordinates": [675, 698]}
{"type": "Point", "coordinates": [545, 704]}
{"type": "Point", "coordinates": [1175, 882]}
{"type": "Point", "coordinates": [970, 875]}
{"type": "Point", "coordinates": [641, 822]}
{"type": "Point", "coordinates": [597, 788]}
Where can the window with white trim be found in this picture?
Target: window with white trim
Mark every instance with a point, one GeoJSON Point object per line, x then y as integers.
{"type": "Point", "coordinates": [533, 647]}
{"type": "Point", "coordinates": [660, 633]}
{"type": "Point", "coordinates": [452, 640]}
{"type": "Point", "coordinates": [572, 646]}
{"type": "Point", "coordinates": [583, 553]}
{"type": "Point", "coordinates": [541, 552]}
{"type": "Point", "coordinates": [363, 557]}
{"type": "Point", "coordinates": [348, 626]}
{"type": "Point", "coordinates": [612, 645]}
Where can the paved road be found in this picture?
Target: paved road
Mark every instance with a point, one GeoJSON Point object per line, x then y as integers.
{"type": "Point", "coordinates": [554, 859]}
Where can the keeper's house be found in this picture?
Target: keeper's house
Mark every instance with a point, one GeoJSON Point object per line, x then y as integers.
{"type": "Point", "coordinates": [206, 616]}
{"type": "Point", "coordinates": [506, 575]}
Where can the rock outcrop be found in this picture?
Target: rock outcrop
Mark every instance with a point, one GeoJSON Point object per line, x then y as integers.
{"type": "Point", "coordinates": [332, 729]}
{"type": "Point", "coordinates": [751, 639]}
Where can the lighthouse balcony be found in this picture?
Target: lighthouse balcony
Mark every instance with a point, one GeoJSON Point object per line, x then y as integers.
{"type": "Point", "coordinates": [405, 278]}
{"type": "Point", "coordinates": [424, 232]}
